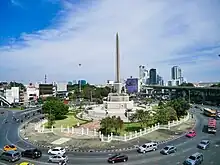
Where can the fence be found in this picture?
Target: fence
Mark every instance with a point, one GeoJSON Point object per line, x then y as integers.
{"type": "Point", "coordinates": [72, 131]}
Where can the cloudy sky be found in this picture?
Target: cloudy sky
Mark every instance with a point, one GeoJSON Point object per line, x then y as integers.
{"type": "Point", "coordinates": [53, 37]}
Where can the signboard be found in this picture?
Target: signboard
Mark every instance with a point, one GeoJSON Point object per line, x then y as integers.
{"type": "Point", "coordinates": [132, 85]}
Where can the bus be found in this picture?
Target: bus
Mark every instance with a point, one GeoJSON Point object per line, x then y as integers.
{"type": "Point", "coordinates": [209, 112]}
{"type": "Point", "coordinates": [212, 125]}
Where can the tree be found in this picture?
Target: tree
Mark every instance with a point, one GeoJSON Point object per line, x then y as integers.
{"type": "Point", "coordinates": [161, 104]}
{"type": "Point", "coordinates": [162, 116]}
{"type": "Point", "coordinates": [171, 114]}
{"type": "Point", "coordinates": [51, 120]}
{"type": "Point", "coordinates": [111, 125]}
{"type": "Point", "coordinates": [106, 125]}
{"type": "Point", "coordinates": [16, 84]}
{"type": "Point", "coordinates": [187, 84]}
{"type": "Point", "coordinates": [180, 106]}
{"type": "Point", "coordinates": [55, 107]}
{"type": "Point", "coordinates": [141, 116]}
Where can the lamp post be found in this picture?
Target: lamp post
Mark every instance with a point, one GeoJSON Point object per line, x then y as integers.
{"type": "Point", "coordinates": [80, 88]}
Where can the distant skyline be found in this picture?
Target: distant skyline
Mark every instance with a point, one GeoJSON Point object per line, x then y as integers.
{"type": "Point", "coordinates": [53, 37]}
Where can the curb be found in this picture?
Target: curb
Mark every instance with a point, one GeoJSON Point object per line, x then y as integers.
{"type": "Point", "coordinates": [112, 150]}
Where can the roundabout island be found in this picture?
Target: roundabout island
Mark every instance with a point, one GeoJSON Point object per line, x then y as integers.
{"type": "Point", "coordinates": [185, 146]}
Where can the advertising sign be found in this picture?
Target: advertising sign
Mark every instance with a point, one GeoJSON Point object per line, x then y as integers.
{"type": "Point", "coordinates": [132, 85]}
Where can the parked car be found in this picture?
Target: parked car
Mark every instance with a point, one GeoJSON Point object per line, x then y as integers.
{"type": "Point", "coordinates": [194, 159]}
{"type": "Point", "coordinates": [10, 147]}
{"type": "Point", "coordinates": [152, 146]}
{"type": "Point", "coordinates": [168, 150]}
{"type": "Point", "coordinates": [57, 151]}
{"type": "Point", "coordinates": [58, 158]}
{"type": "Point", "coordinates": [118, 158]}
{"type": "Point", "coordinates": [191, 134]}
{"type": "Point", "coordinates": [204, 144]}
{"type": "Point", "coordinates": [32, 153]}
{"type": "Point", "coordinates": [11, 156]}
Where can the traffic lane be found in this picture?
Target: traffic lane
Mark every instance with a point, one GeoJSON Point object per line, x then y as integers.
{"type": "Point", "coordinates": [176, 158]}
{"type": "Point", "coordinates": [135, 157]}
{"type": "Point", "coordinates": [12, 135]}
{"type": "Point", "coordinates": [3, 128]}
{"type": "Point", "coordinates": [211, 157]}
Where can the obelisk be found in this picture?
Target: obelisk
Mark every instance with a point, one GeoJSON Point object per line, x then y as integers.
{"type": "Point", "coordinates": [117, 84]}
{"type": "Point", "coordinates": [117, 60]}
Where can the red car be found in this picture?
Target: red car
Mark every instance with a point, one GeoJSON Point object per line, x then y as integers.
{"type": "Point", "coordinates": [191, 134]}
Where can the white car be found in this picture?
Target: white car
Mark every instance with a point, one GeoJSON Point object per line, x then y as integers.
{"type": "Point", "coordinates": [57, 151]}
{"type": "Point", "coordinates": [58, 159]}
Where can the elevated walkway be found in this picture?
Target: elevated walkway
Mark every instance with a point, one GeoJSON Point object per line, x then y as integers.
{"type": "Point", "coordinates": [3, 101]}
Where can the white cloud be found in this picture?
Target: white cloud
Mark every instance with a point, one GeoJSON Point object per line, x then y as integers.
{"type": "Point", "coordinates": [16, 3]}
{"type": "Point", "coordinates": [153, 33]}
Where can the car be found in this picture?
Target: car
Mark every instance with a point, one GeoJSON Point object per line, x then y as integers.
{"type": "Point", "coordinates": [195, 159]}
{"type": "Point", "coordinates": [168, 150]}
{"type": "Point", "coordinates": [57, 151]}
{"type": "Point", "coordinates": [58, 158]}
{"type": "Point", "coordinates": [31, 153]}
{"type": "Point", "coordinates": [26, 163]}
{"type": "Point", "coordinates": [10, 147]}
{"type": "Point", "coordinates": [11, 156]}
{"type": "Point", "coordinates": [204, 144]}
{"type": "Point", "coordinates": [2, 112]}
{"type": "Point", "coordinates": [118, 158]}
{"type": "Point", "coordinates": [152, 146]}
{"type": "Point", "coordinates": [191, 134]}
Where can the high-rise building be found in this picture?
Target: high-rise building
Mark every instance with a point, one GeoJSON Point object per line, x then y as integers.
{"type": "Point", "coordinates": [160, 80]}
{"type": "Point", "coordinates": [176, 73]}
{"type": "Point", "coordinates": [153, 76]}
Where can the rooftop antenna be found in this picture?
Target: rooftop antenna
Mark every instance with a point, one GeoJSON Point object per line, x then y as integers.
{"type": "Point", "coordinates": [45, 79]}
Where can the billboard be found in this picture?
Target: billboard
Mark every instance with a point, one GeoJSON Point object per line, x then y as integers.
{"type": "Point", "coordinates": [61, 87]}
{"type": "Point", "coordinates": [132, 85]}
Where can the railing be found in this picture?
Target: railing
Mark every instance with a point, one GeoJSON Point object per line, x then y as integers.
{"type": "Point", "coordinates": [73, 131]}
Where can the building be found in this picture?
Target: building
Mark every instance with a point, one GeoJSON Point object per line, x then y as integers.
{"type": "Point", "coordinates": [13, 95]}
{"type": "Point", "coordinates": [153, 76]}
{"type": "Point", "coordinates": [173, 83]}
{"type": "Point", "coordinates": [32, 92]}
{"type": "Point", "coordinates": [132, 85]}
{"type": "Point", "coordinates": [176, 73]}
{"type": "Point", "coordinates": [46, 90]}
{"type": "Point", "coordinates": [61, 89]}
{"type": "Point", "coordinates": [160, 80]}
{"type": "Point", "coordinates": [143, 75]}
{"type": "Point", "coordinates": [110, 83]}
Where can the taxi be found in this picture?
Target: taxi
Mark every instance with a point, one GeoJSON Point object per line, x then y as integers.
{"type": "Point", "coordinates": [10, 148]}
{"type": "Point", "coordinates": [25, 163]}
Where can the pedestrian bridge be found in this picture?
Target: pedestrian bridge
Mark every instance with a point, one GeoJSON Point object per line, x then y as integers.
{"type": "Point", "coordinates": [4, 102]}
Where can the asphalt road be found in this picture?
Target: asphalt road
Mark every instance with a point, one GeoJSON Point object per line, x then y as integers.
{"type": "Point", "coordinates": [185, 147]}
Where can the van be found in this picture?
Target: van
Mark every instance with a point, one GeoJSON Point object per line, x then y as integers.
{"type": "Point", "coordinates": [11, 156]}
{"type": "Point", "coordinates": [152, 146]}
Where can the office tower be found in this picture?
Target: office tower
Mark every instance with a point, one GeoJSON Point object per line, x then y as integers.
{"type": "Point", "coordinates": [143, 75]}
{"type": "Point", "coordinates": [153, 76]}
{"type": "Point", "coordinates": [160, 80]}
{"type": "Point", "coordinates": [176, 73]}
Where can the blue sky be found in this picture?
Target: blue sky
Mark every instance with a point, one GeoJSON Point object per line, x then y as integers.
{"type": "Point", "coordinates": [52, 37]}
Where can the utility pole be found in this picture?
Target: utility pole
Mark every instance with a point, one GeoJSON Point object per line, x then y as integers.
{"type": "Point", "coordinates": [90, 96]}
{"type": "Point", "coordinates": [189, 96]}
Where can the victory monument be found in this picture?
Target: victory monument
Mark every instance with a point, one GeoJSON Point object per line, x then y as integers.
{"type": "Point", "coordinates": [117, 103]}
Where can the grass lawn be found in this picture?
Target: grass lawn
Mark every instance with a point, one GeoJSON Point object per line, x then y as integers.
{"type": "Point", "coordinates": [70, 120]}
{"type": "Point", "coordinates": [130, 127]}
